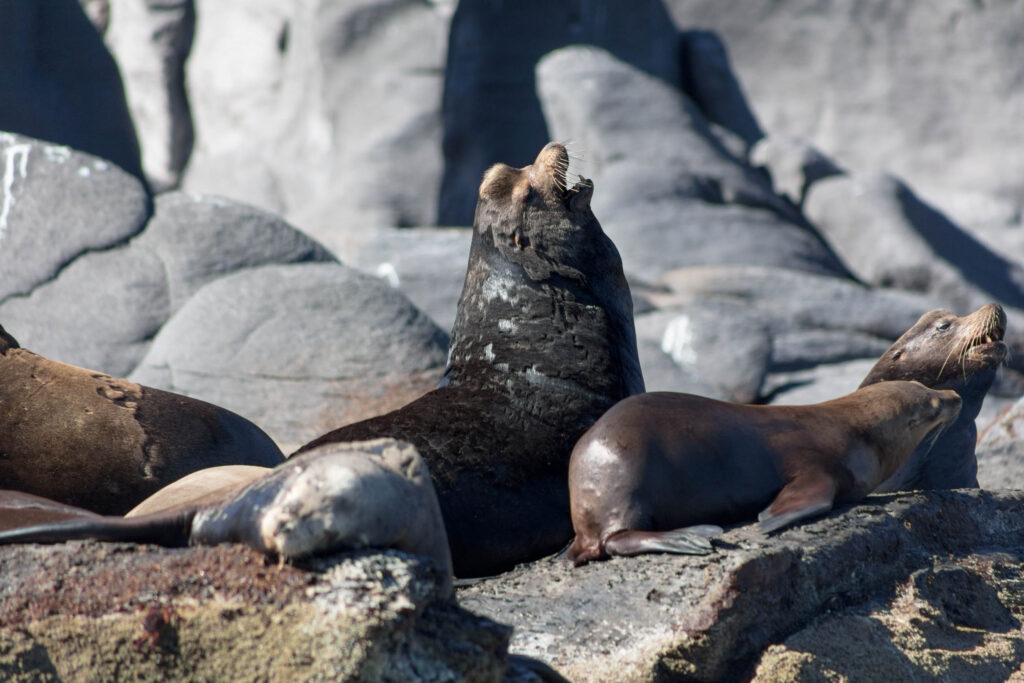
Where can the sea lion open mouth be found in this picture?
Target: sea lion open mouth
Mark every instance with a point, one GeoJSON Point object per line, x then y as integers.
{"type": "Point", "coordinates": [985, 335]}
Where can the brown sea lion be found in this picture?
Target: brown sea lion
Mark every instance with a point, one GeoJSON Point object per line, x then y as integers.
{"type": "Point", "coordinates": [101, 443]}
{"type": "Point", "coordinates": [543, 344]}
{"type": "Point", "coordinates": [657, 464]}
{"type": "Point", "coordinates": [338, 497]}
{"type": "Point", "coordinates": [944, 351]}
{"type": "Point", "coordinates": [18, 509]}
{"type": "Point", "coordinates": [203, 486]}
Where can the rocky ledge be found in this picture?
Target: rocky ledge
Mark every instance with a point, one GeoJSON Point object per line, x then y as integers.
{"type": "Point", "coordinates": [907, 587]}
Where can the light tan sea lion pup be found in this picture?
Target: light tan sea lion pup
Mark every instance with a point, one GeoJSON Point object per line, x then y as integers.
{"type": "Point", "coordinates": [346, 496]}
{"type": "Point", "coordinates": [657, 464]}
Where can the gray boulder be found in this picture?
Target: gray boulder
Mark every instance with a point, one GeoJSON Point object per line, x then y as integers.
{"type": "Point", "coordinates": [670, 194]}
{"type": "Point", "coordinates": [491, 108]}
{"type": "Point", "coordinates": [57, 204]}
{"type": "Point", "coordinates": [891, 238]}
{"type": "Point", "coordinates": [151, 40]}
{"type": "Point", "coordinates": [59, 83]}
{"type": "Point", "coordinates": [298, 349]}
{"type": "Point", "coordinates": [288, 119]}
{"type": "Point", "coordinates": [102, 310]}
{"type": "Point", "coordinates": [713, 618]}
{"type": "Point", "coordinates": [1000, 450]}
{"type": "Point", "coordinates": [927, 91]}
{"type": "Point", "coordinates": [793, 164]}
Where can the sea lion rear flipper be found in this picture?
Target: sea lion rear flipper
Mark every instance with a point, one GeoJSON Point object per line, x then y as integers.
{"type": "Point", "coordinates": [810, 494]}
{"type": "Point", "coordinates": [691, 540]}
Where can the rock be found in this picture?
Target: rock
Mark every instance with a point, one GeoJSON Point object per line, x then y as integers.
{"type": "Point", "coordinates": [711, 618]}
{"type": "Point", "coordinates": [946, 622]}
{"type": "Point", "coordinates": [794, 301]}
{"type": "Point", "coordinates": [57, 204]}
{"type": "Point", "coordinates": [59, 83]}
{"type": "Point", "coordinates": [151, 41]}
{"type": "Point", "coordinates": [670, 194]}
{"type": "Point", "coordinates": [79, 611]}
{"type": "Point", "coordinates": [491, 112]}
{"type": "Point", "coordinates": [287, 120]}
{"type": "Point", "coordinates": [723, 350]}
{"type": "Point", "coordinates": [1000, 450]}
{"type": "Point", "coordinates": [819, 383]}
{"type": "Point", "coordinates": [103, 309]}
{"type": "Point", "coordinates": [925, 91]}
{"type": "Point", "coordinates": [890, 238]}
{"type": "Point", "coordinates": [794, 165]}
{"type": "Point", "coordinates": [428, 265]}
{"type": "Point", "coordinates": [297, 349]}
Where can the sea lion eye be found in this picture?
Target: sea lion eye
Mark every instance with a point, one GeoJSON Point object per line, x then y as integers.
{"type": "Point", "coordinates": [896, 355]}
{"type": "Point", "coordinates": [942, 326]}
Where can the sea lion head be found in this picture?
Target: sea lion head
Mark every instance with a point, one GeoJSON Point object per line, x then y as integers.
{"type": "Point", "coordinates": [944, 351]}
{"type": "Point", "coordinates": [545, 297]}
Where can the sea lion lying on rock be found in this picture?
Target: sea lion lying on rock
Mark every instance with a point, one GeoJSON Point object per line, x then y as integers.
{"type": "Point", "coordinates": [657, 464]}
{"type": "Point", "coordinates": [542, 345]}
{"type": "Point", "coordinates": [944, 351]}
{"type": "Point", "coordinates": [94, 441]}
{"type": "Point", "coordinates": [337, 497]}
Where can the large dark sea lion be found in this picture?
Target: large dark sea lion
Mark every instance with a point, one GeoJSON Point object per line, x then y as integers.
{"type": "Point", "coordinates": [348, 496]}
{"type": "Point", "coordinates": [97, 442]}
{"type": "Point", "coordinates": [543, 344]}
{"type": "Point", "coordinates": [657, 464]}
{"type": "Point", "coordinates": [944, 351]}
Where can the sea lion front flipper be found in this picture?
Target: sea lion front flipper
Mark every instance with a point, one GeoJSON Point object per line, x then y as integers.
{"type": "Point", "coordinates": [691, 540]}
{"type": "Point", "coordinates": [808, 495]}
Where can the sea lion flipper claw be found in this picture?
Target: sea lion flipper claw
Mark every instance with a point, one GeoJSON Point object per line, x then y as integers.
{"type": "Point", "coordinates": [694, 540]}
{"type": "Point", "coordinates": [808, 495]}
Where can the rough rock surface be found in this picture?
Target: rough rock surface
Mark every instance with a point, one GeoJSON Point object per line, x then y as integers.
{"type": "Point", "coordinates": [298, 349]}
{"type": "Point", "coordinates": [103, 308]}
{"type": "Point", "coordinates": [668, 192]}
{"type": "Point", "coordinates": [78, 611]}
{"type": "Point", "coordinates": [1000, 449]}
{"type": "Point", "coordinates": [710, 618]}
{"type": "Point", "coordinates": [59, 83]}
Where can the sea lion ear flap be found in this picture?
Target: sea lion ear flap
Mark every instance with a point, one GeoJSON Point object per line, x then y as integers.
{"type": "Point", "coordinates": [580, 200]}
{"type": "Point", "coordinates": [7, 342]}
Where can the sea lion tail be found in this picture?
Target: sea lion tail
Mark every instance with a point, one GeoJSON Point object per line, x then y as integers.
{"type": "Point", "coordinates": [171, 530]}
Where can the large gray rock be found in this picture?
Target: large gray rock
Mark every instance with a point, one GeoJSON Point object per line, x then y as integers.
{"type": "Point", "coordinates": [491, 110]}
{"type": "Point", "coordinates": [57, 204]}
{"type": "Point", "coordinates": [103, 309]}
{"type": "Point", "coordinates": [670, 195]}
{"type": "Point", "coordinates": [287, 119]}
{"type": "Point", "coordinates": [890, 238]}
{"type": "Point", "coordinates": [710, 618]}
{"type": "Point", "coordinates": [91, 611]}
{"type": "Point", "coordinates": [1000, 450]}
{"type": "Point", "coordinates": [298, 349]}
{"type": "Point", "coordinates": [927, 91]}
{"type": "Point", "coordinates": [59, 83]}
{"type": "Point", "coordinates": [151, 40]}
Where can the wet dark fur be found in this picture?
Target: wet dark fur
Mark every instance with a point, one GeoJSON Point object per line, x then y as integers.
{"type": "Point", "coordinates": [528, 372]}
{"type": "Point", "coordinates": [943, 351]}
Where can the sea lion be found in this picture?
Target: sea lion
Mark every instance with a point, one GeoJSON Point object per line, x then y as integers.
{"type": "Point", "coordinates": [944, 351]}
{"type": "Point", "coordinates": [18, 509]}
{"type": "Point", "coordinates": [542, 345]}
{"type": "Point", "coordinates": [337, 497]}
{"type": "Point", "coordinates": [203, 486]}
{"type": "Point", "coordinates": [101, 443]}
{"type": "Point", "coordinates": [657, 463]}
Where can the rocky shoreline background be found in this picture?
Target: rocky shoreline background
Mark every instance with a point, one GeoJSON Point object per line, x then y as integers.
{"type": "Point", "coordinates": [251, 203]}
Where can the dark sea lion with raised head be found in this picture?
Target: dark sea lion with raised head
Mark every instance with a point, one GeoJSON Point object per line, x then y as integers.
{"type": "Point", "coordinates": [98, 442]}
{"type": "Point", "coordinates": [944, 351]}
{"type": "Point", "coordinates": [543, 344]}
{"type": "Point", "coordinates": [659, 469]}
{"type": "Point", "coordinates": [348, 496]}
